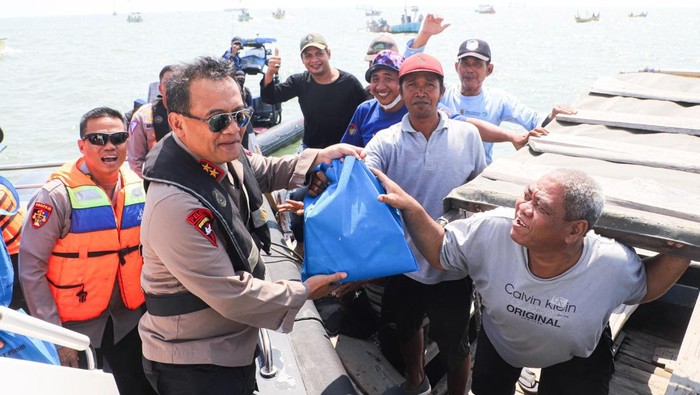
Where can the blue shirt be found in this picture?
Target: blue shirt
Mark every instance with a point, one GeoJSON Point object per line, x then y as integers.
{"type": "Point", "coordinates": [490, 105]}
{"type": "Point", "coordinates": [369, 118]}
{"type": "Point", "coordinates": [236, 59]}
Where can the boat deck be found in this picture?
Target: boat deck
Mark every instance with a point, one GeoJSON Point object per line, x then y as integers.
{"type": "Point", "coordinates": [638, 134]}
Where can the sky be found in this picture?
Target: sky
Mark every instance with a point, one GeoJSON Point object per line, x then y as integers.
{"type": "Point", "coordinates": [23, 8]}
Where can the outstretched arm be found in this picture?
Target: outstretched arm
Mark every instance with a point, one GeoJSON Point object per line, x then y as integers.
{"type": "Point", "coordinates": [336, 151]}
{"type": "Point", "coordinates": [496, 134]}
{"type": "Point", "coordinates": [663, 270]}
{"type": "Point", "coordinates": [432, 25]}
{"type": "Point", "coordinates": [558, 109]}
{"type": "Point", "coordinates": [426, 234]}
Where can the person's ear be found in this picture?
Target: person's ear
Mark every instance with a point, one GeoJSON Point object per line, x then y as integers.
{"type": "Point", "coordinates": [175, 121]}
{"type": "Point", "coordinates": [578, 229]}
{"type": "Point", "coordinates": [489, 69]}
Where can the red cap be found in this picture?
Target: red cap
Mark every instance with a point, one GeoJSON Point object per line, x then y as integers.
{"type": "Point", "coordinates": [421, 62]}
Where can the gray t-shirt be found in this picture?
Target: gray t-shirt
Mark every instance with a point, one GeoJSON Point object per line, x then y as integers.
{"type": "Point", "coordinates": [428, 170]}
{"type": "Point", "coordinates": [539, 322]}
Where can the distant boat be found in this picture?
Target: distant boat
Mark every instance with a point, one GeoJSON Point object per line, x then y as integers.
{"type": "Point", "coordinates": [380, 26]}
{"type": "Point", "coordinates": [642, 14]}
{"type": "Point", "coordinates": [244, 16]}
{"type": "Point", "coordinates": [409, 24]}
{"type": "Point", "coordinates": [134, 17]}
{"type": "Point", "coordinates": [485, 9]}
{"type": "Point", "coordinates": [593, 18]}
{"type": "Point", "coordinates": [279, 14]}
{"type": "Point", "coordinates": [372, 12]}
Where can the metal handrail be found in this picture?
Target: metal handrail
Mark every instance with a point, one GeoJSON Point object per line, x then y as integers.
{"type": "Point", "coordinates": [28, 166]}
{"type": "Point", "coordinates": [268, 369]}
{"type": "Point", "coordinates": [16, 322]}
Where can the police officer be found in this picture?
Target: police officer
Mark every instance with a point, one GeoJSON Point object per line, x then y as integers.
{"type": "Point", "coordinates": [149, 124]}
{"type": "Point", "coordinates": [79, 257]}
{"type": "Point", "coordinates": [203, 229]}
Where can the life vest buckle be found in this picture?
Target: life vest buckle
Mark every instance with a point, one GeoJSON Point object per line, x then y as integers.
{"type": "Point", "coordinates": [82, 295]}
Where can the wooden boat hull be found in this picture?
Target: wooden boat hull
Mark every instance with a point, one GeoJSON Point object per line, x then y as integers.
{"type": "Point", "coordinates": [412, 27]}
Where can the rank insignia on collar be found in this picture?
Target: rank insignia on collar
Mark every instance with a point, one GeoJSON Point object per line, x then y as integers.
{"type": "Point", "coordinates": [40, 214]}
{"type": "Point", "coordinates": [201, 220]}
{"type": "Point", "coordinates": [212, 170]}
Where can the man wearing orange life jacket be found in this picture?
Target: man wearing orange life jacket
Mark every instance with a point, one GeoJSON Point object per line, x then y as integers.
{"type": "Point", "coordinates": [80, 263]}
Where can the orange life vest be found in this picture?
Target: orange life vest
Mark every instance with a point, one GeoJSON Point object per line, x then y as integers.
{"type": "Point", "coordinates": [11, 224]}
{"type": "Point", "coordinates": [102, 243]}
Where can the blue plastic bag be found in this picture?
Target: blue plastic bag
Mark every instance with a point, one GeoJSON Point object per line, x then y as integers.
{"type": "Point", "coordinates": [7, 274]}
{"type": "Point", "coordinates": [13, 345]}
{"type": "Point", "coordinates": [347, 230]}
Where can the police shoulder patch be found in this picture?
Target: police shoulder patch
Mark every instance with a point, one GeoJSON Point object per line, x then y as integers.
{"type": "Point", "coordinates": [201, 219]}
{"type": "Point", "coordinates": [40, 214]}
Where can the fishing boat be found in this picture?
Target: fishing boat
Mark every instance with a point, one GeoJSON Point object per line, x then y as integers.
{"type": "Point", "coordinates": [642, 14]}
{"type": "Point", "coordinates": [410, 23]}
{"type": "Point", "coordinates": [583, 19]}
{"type": "Point", "coordinates": [372, 12]}
{"type": "Point", "coordinates": [278, 14]}
{"type": "Point", "coordinates": [485, 9]}
{"type": "Point", "coordinates": [378, 26]}
{"type": "Point", "coordinates": [244, 16]}
{"type": "Point", "coordinates": [638, 135]}
{"type": "Point", "coordinates": [134, 17]}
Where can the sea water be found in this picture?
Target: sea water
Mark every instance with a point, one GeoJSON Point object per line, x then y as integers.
{"type": "Point", "coordinates": [54, 69]}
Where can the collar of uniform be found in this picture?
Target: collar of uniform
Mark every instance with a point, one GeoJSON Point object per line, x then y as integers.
{"type": "Point", "coordinates": [82, 166]}
{"type": "Point", "coordinates": [407, 127]}
{"type": "Point", "coordinates": [216, 171]}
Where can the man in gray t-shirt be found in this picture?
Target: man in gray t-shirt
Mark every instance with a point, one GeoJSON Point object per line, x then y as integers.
{"type": "Point", "coordinates": [548, 285]}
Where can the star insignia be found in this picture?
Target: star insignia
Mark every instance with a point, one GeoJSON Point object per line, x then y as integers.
{"type": "Point", "coordinates": [211, 169]}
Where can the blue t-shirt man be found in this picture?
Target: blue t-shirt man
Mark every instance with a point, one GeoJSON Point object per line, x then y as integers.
{"type": "Point", "coordinates": [471, 100]}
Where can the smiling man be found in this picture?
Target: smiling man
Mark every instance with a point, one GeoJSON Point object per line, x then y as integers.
{"type": "Point", "coordinates": [428, 154]}
{"type": "Point", "coordinates": [327, 96]}
{"type": "Point", "coordinates": [470, 99]}
{"type": "Point", "coordinates": [79, 259]}
{"type": "Point", "coordinates": [548, 283]}
{"type": "Point", "coordinates": [204, 225]}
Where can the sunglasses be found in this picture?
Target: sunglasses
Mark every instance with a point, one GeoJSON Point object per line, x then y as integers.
{"type": "Point", "coordinates": [103, 138]}
{"type": "Point", "coordinates": [217, 123]}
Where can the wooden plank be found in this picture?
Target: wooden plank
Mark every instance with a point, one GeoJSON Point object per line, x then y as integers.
{"type": "Point", "coordinates": [619, 317]}
{"type": "Point", "coordinates": [653, 123]}
{"type": "Point", "coordinates": [593, 148]}
{"type": "Point", "coordinates": [643, 381]}
{"type": "Point", "coordinates": [615, 87]}
{"type": "Point", "coordinates": [637, 193]}
{"type": "Point", "coordinates": [640, 216]}
{"type": "Point", "coordinates": [625, 359]}
{"type": "Point", "coordinates": [366, 365]}
{"type": "Point", "coordinates": [686, 375]}
{"type": "Point", "coordinates": [682, 73]}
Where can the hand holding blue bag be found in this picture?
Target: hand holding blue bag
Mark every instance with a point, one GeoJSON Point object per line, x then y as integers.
{"type": "Point", "coordinates": [347, 230]}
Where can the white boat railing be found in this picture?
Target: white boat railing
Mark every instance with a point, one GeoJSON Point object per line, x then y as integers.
{"type": "Point", "coordinates": [16, 322]}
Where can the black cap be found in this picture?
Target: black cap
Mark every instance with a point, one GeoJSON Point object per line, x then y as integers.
{"type": "Point", "coordinates": [474, 47]}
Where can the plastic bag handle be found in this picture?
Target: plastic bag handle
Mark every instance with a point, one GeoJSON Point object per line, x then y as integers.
{"type": "Point", "coordinates": [347, 166]}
